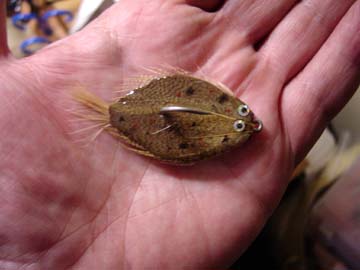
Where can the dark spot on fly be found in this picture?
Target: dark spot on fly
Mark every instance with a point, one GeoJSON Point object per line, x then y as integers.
{"type": "Point", "coordinates": [223, 98]}
{"type": "Point", "coordinates": [183, 145]}
{"type": "Point", "coordinates": [175, 129]}
{"type": "Point", "coordinates": [121, 119]}
{"type": "Point", "coordinates": [190, 91]}
{"type": "Point", "coordinates": [193, 124]}
{"type": "Point", "coordinates": [134, 126]}
{"type": "Point", "coordinates": [167, 118]}
{"type": "Point", "coordinates": [225, 139]}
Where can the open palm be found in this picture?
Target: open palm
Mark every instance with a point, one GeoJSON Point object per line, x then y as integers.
{"type": "Point", "coordinates": [102, 207]}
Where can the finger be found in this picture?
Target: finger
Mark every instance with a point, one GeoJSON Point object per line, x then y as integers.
{"type": "Point", "coordinates": [300, 35]}
{"type": "Point", "coordinates": [3, 40]}
{"type": "Point", "coordinates": [325, 85]}
{"type": "Point", "coordinates": [209, 5]}
{"type": "Point", "coordinates": [255, 18]}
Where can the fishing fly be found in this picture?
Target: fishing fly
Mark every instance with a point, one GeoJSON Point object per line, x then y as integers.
{"type": "Point", "coordinates": [176, 118]}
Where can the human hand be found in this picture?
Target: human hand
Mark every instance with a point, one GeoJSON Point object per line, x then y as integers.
{"type": "Point", "coordinates": [104, 207]}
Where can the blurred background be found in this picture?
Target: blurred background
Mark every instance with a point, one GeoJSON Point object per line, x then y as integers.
{"type": "Point", "coordinates": [316, 226]}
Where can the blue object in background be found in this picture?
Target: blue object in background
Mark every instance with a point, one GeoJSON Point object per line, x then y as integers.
{"type": "Point", "coordinates": [32, 41]}
{"type": "Point", "coordinates": [13, 6]}
{"type": "Point", "coordinates": [58, 12]}
{"type": "Point", "coordinates": [19, 20]}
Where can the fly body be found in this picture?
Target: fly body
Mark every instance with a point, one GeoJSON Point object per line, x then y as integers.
{"type": "Point", "coordinates": [180, 119]}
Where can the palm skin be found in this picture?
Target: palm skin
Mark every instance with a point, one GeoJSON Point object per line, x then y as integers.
{"type": "Point", "coordinates": [102, 207]}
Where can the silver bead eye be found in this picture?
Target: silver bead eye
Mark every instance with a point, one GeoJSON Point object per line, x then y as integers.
{"type": "Point", "coordinates": [239, 125]}
{"type": "Point", "coordinates": [243, 110]}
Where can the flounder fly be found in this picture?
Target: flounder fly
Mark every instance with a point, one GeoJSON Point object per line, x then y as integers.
{"type": "Point", "coordinates": [178, 119]}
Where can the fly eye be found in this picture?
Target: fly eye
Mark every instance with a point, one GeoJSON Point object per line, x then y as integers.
{"type": "Point", "coordinates": [239, 125]}
{"type": "Point", "coordinates": [243, 110]}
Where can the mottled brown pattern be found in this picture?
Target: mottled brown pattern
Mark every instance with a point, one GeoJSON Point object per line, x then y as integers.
{"type": "Point", "coordinates": [180, 137]}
